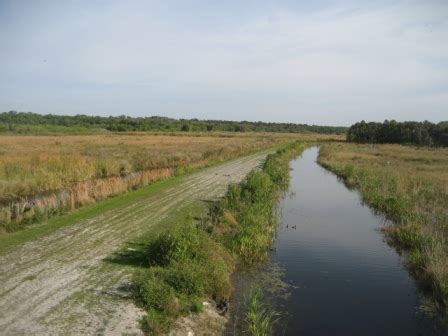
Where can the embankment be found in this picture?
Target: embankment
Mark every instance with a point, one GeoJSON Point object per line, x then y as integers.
{"type": "Point", "coordinates": [195, 260]}
{"type": "Point", "coordinates": [59, 277]}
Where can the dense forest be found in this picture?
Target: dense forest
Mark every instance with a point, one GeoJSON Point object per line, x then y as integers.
{"type": "Point", "coordinates": [409, 132]}
{"type": "Point", "coordinates": [9, 122]}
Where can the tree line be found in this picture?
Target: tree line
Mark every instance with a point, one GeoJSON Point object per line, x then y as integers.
{"type": "Point", "coordinates": [156, 123]}
{"type": "Point", "coordinates": [408, 132]}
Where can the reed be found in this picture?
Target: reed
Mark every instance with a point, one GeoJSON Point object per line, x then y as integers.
{"type": "Point", "coordinates": [260, 318]}
{"type": "Point", "coordinates": [32, 164]}
{"type": "Point", "coordinates": [44, 176]}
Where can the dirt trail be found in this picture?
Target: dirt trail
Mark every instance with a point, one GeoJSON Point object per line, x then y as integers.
{"type": "Point", "coordinates": [59, 284]}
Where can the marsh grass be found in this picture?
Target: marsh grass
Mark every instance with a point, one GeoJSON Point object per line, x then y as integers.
{"type": "Point", "coordinates": [195, 260]}
{"type": "Point", "coordinates": [409, 186]}
{"type": "Point", "coordinates": [260, 318]}
{"type": "Point", "coordinates": [41, 176]}
{"type": "Point", "coordinates": [252, 205]}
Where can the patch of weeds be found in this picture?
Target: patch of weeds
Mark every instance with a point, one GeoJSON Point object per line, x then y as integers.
{"type": "Point", "coordinates": [260, 318]}
{"type": "Point", "coordinates": [185, 265]}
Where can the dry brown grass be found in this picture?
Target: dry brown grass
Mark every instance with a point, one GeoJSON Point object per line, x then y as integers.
{"type": "Point", "coordinates": [31, 164]}
{"type": "Point", "coordinates": [41, 175]}
{"type": "Point", "coordinates": [426, 164]}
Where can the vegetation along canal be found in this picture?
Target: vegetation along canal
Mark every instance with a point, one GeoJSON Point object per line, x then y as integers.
{"type": "Point", "coordinates": [347, 280]}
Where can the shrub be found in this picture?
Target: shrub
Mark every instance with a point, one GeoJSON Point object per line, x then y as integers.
{"type": "Point", "coordinates": [183, 243]}
{"type": "Point", "coordinates": [258, 188]}
{"type": "Point", "coordinates": [154, 293]}
{"type": "Point", "coordinates": [186, 277]}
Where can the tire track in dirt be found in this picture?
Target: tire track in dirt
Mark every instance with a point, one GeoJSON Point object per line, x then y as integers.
{"type": "Point", "coordinates": [45, 284]}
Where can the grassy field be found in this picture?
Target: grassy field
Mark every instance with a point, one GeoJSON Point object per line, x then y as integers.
{"type": "Point", "coordinates": [41, 176]}
{"type": "Point", "coordinates": [31, 164]}
{"type": "Point", "coordinates": [45, 175]}
{"type": "Point", "coordinates": [409, 185]}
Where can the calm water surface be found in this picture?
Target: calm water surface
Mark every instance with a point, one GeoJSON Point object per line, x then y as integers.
{"type": "Point", "coordinates": [347, 280]}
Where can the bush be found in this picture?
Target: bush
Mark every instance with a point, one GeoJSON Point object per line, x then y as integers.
{"type": "Point", "coordinates": [186, 277]}
{"type": "Point", "coordinates": [154, 293]}
{"type": "Point", "coordinates": [181, 244]}
{"type": "Point", "coordinates": [185, 265]}
{"type": "Point", "coordinates": [233, 196]}
{"type": "Point", "coordinates": [258, 188]}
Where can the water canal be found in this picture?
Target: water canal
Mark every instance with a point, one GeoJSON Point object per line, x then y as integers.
{"type": "Point", "coordinates": [346, 279]}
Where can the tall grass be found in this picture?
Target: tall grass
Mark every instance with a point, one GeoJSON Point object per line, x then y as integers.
{"type": "Point", "coordinates": [410, 186]}
{"type": "Point", "coordinates": [196, 260]}
{"type": "Point", "coordinates": [252, 205]}
{"type": "Point", "coordinates": [43, 176]}
{"type": "Point", "coordinates": [260, 318]}
{"type": "Point", "coordinates": [32, 164]}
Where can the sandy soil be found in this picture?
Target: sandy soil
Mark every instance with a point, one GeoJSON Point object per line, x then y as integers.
{"type": "Point", "coordinates": [60, 284]}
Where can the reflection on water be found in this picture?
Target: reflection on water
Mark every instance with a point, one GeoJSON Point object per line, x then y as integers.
{"type": "Point", "coordinates": [346, 279]}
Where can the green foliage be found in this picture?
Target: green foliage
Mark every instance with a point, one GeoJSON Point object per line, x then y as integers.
{"type": "Point", "coordinates": [259, 317]}
{"type": "Point", "coordinates": [196, 307]}
{"type": "Point", "coordinates": [258, 188]}
{"type": "Point", "coordinates": [185, 264]}
{"type": "Point", "coordinates": [276, 165]}
{"type": "Point", "coordinates": [153, 292]}
{"type": "Point", "coordinates": [186, 277]}
{"type": "Point", "coordinates": [233, 195]}
{"type": "Point", "coordinates": [253, 204]}
{"type": "Point", "coordinates": [179, 245]}
{"type": "Point", "coordinates": [410, 132]}
{"type": "Point", "coordinates": [409, 237]}
{"type": "Point", "coordinates": [156, 322]}
{"type": "Point", "coordinates": [21, 122]}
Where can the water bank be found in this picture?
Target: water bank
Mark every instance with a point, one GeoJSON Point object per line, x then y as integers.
{"type": "Point", "coordinates": [344, 278]}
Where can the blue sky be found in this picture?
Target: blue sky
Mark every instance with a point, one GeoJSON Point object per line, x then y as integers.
{"type": "Point", "coordinates": [316, 62]}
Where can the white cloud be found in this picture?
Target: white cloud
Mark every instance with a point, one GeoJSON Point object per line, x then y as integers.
{"type": "Point", "coordinates": [335, 65]}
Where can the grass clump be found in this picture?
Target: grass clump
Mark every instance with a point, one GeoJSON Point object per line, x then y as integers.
{"type": "Point", "coordinates": [186, 264]}
{"type": "Point", "coordinates": [169, 247]}
{"type": "Point", "coordinates": [260, 318]}
{"type": "Point", "coordinates": [410, 186]}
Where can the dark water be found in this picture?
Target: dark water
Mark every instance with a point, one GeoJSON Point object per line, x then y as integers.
{"type": "Point", "coordinates": [348, 280]}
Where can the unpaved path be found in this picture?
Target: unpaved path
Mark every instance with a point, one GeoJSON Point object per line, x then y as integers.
{"type": "Point", "coordinates": [60, 284]}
